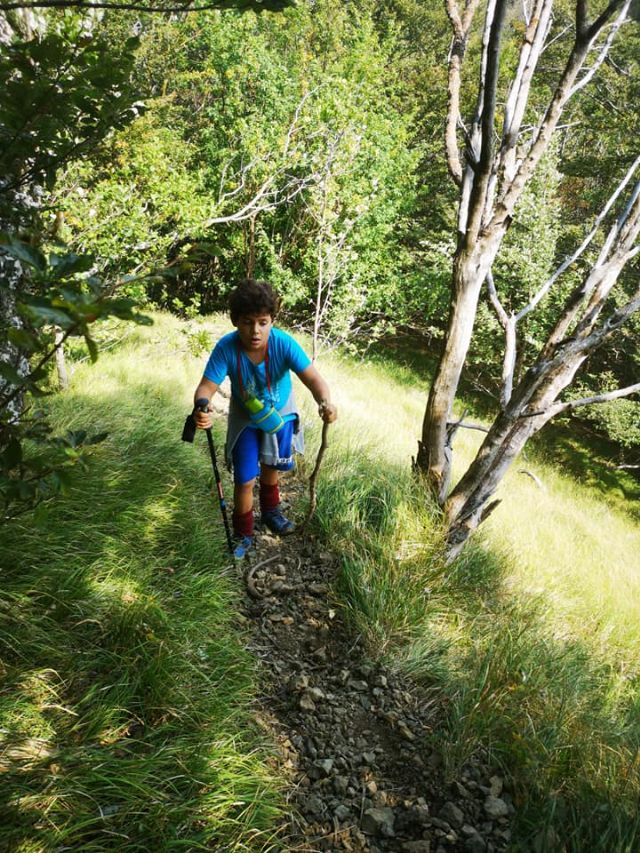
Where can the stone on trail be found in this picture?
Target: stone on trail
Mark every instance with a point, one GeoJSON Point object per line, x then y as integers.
{"type": "Point", "coordinates": [496, 784]}
{"type": "Point", "coordinates": [321, 768]}
{"type": "Point", "coordinates": [475, 843]}
{"type": "Point", "coordinates": [342, 813]}
{"type": "Point", "coordinates": [495, 807]}
{"type": "Point", "coordinates": [423, 846]}
{"type": "Point", "coordinates": [452, 814]}
{"type": "Point", "coordinates": [378, 822]}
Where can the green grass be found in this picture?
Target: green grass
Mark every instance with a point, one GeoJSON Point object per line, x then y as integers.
{"type": "Point", "coordinates": [529, 642]}
{"type": "Point", "coordinates": [126, 692]}
{"type": "Point", "coordinates": [125, 702]}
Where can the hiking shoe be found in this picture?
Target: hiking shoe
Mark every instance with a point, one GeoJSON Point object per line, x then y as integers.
{"type": "Point", "coordinates": [241, 544]}
{"type": "Point", "coordinates": [277, 522]}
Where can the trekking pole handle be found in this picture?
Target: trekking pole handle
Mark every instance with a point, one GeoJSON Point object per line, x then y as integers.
{"type": "Point", "coordinates": [202, 404]}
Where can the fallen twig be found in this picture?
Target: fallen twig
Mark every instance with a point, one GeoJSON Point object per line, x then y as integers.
{"type": "Point", "coordinates": [249, 580]}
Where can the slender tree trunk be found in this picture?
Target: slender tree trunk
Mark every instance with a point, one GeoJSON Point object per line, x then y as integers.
{"type": "Point", "coordinates": [61, 362]}
{"type": "Point", "coordinates": [469, 503]}
{"type": "Point", "coordinates": [17, 208]}
{"type": "Point", "coordinates": [434, 451]}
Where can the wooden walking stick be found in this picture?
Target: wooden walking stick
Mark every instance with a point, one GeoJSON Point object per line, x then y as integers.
{"type": "Point", "coordinates": [314, 476]}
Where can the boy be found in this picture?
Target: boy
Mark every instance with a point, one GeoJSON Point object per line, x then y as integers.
{"type": "Point", "coordinates": [260, 438]}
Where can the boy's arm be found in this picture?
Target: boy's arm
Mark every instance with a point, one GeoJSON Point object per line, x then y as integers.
{"type": "Point", "coordinates": [321, 393]}
{"type": "Point", "coordinates": [207, 389]}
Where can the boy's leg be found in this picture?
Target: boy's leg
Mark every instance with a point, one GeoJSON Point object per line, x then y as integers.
{"type": "Point", "coordinates": [271, 513]}
{"type": "Point", "coordinates": [243, 508]}
{"type": "Point", "coordinates": [245, 470]}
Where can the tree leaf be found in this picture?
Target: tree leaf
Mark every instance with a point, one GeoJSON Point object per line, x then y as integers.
{"type": "Point", "coordinates": [23, 252]}
{"type": "Point", "coordinates": [69, 264]}
{"type": "Point", "coordinates": [12, 454]}
{"type": "Point", "coordinates": [92, 347]}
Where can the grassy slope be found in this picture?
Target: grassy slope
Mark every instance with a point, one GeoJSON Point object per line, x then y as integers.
{"type": "Point", "coordinates": [531, 641]}
{"type": "Point", "coordinates": [126, 690]}
{"type": "Point", "coordinates": [123, 655]}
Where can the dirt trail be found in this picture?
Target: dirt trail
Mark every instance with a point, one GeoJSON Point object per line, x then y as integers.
{"type": "Point", "coordinates": [353, 736]}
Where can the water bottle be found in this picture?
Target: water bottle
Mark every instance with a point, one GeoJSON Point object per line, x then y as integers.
{"type": "Point", "coordinates": [266, 418]}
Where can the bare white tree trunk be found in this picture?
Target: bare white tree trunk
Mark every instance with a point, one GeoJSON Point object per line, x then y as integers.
{"type": "Point", "coordinates": [16, 207]}
{"type": "Point", "coordinates": [492, 179]}
{"type": "Point", "coordinates": [61, 362]}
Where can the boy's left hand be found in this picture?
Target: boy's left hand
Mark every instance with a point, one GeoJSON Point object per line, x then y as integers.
{"type": "Point", "coordinates": [328, 412]}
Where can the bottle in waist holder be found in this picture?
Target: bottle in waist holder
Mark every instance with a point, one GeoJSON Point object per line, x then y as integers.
{"type": "Point", "coordinates": [266, 418]}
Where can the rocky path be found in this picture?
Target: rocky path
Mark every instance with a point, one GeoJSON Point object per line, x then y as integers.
{"type": "Point", "coordinates": [354, 737]}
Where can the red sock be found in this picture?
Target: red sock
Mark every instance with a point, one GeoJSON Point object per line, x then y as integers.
{"type": "Point", "coordinates": [243, 523]}
{"type": "Point", "coordinates": [269, 497]}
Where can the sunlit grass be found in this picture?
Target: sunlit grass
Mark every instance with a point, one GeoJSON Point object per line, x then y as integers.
{"type": "Point", "coordinates": [126, 696]}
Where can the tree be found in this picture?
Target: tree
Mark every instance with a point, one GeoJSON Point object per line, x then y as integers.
{"type": "Point", "coordinates": [504, 144]}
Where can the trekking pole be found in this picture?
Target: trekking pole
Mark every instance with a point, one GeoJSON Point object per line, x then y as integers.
{"type": "Point", "coordinates": [188, 435]}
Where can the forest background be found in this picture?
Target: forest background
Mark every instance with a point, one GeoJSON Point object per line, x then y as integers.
{"type": "Point", "coordinates": [153, 160]}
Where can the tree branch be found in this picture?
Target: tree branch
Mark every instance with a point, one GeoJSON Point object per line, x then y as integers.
{"type": "Point", "coordinates": [530, 52]}
{"type": "Point", "coordinates": [546, 287]}
{"type": "Point", "coordinates": [508, 323]}
{"type": "Point", "coordinates": [456, 58]}
{"type": "Point", "coordinates": [487, 109]}
{"type": "Point", "coordinates": [555, 409]}
{"type": "Point", "coordinates": [605, 49]}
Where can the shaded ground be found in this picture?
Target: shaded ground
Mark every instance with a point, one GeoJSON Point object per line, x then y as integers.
{"type": "Point", "coordinates": [353, 737]}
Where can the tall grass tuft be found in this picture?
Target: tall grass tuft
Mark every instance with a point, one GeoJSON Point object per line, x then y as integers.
{"type": "Point", "coordinates": [126, 691]}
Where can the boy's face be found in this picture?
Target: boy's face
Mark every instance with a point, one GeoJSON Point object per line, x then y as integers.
{"type": "Point", "coordinates": [253, 330]}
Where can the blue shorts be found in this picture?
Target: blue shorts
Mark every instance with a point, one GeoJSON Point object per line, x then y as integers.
{"type": "Point", "coordinates": [246, 452]}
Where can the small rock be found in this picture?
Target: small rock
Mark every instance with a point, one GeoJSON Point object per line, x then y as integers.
{"type": "Point", "coordinates": [340, 785]}
{"type": "Point", "coordinates": [299, 682]}
{"type": "Point", "coordinates": [321, 768]}
{"type": "Point", "coordinates": [452, 814]}
{"type": "Point", "coordinates": [421, 813]}
{"type": "Point", "coordinates": [378, 822]}
{"type": "Point", "coordinates": [496, 784]}
{"type": "Point", "coordinates": [475, 843]}
{"type": "Point", "coordinates": [360, 686]}
{"type": "Point", "coordinates": [316, 694]}
{"type": "Point", "coordinates": [495, 807]}
{"type": "Point", "coordinates": [306, 702]}
{"type": "Point", "coordinates": [314, 806]}
{"type": "Point", "coordinates": [368, 758]}
{"type": "Point", "coordinates": [342, 813]}
{"type": "Point", "coordinates": [405, 731]}
{"type": "Point", "coordinates": [423, 846]}
{"type": "Point", "coordinates": [461, 791]}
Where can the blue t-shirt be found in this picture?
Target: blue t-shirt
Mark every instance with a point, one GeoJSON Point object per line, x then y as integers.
{"type": "Point", "coordinates": [284, 353]}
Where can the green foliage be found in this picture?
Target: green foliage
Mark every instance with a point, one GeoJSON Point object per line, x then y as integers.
{"type": "Point", "coordinates": [238, 103]}
{"type": "Point", "coordinates": [58, 93]}
{"type": "Point", "coordinates": [619, 419]}
{"type": "Point", "coordinates": [59, 291]}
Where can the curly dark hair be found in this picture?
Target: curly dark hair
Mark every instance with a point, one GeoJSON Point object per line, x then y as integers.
{"type": "Point", "coordinates": [250, 296]}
